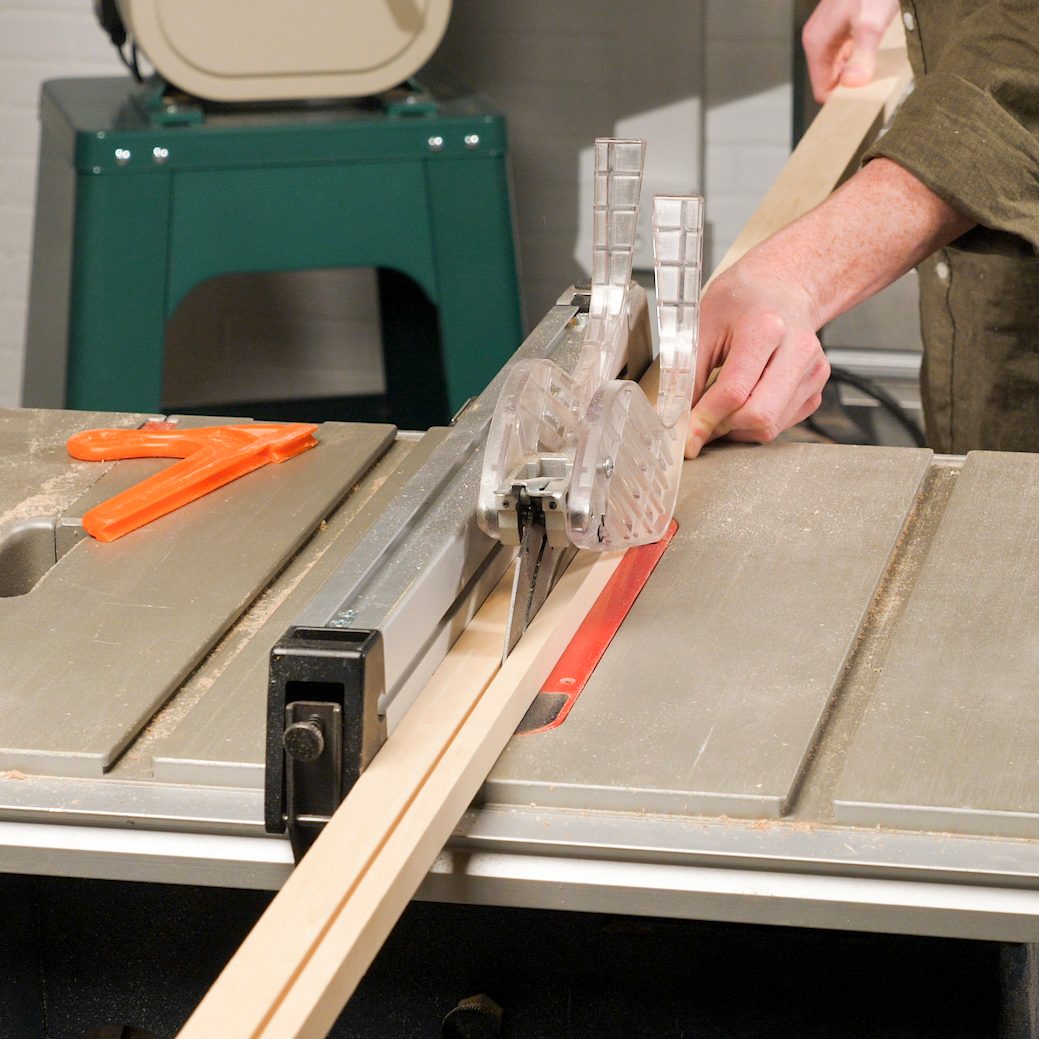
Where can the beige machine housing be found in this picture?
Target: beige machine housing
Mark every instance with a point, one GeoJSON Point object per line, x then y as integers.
{"type": "Point", "coordinates": [267, 50]}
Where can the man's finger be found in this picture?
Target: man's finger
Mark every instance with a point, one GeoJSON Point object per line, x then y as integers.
{"type": "Point", "coordinates": [824, 37]}
{"type": "Point", "coordinates": [795, 374]}
{"type": "Point", "coordinates": [810, 407]}
{"type": "Point", "coordinates": [713, 408]}
{"type": "Point", "coordinates": [803, 411]}
{"type": "Point", "coordinates": [713, 342]}
{"type": "Point", "coordinates": [809, 393]}
{"type": "Point", "coordinates": [712, 416]}
{"type": "Point", "coordinates": [779, 393]}
{"type": "Point", "coordinates": [862, 62]}
{"type": "Point", "coordinates": [723, 429]}
{"type": "Point", "coordinates": [751, 349]}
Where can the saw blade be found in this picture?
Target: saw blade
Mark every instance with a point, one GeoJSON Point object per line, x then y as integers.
{"type": "Point", "coordinates": [538, 567]}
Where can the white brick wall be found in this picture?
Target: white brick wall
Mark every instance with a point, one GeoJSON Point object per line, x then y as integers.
{"type": "Point", "coordinates": [39, 39]}
{"type": "Point", "coordinates": [749, 110]}
{"type": "Point", "coordinates": [563, 73]}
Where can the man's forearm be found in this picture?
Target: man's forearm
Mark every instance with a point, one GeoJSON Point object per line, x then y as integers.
{"type": "Point", "coordinates": [759, 319]}
{"type": "Point", "coordinates": [873, 229]}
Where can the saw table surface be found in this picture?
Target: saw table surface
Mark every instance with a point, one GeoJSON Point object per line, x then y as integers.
{"type": "Point", "coordinates": [829, 679]}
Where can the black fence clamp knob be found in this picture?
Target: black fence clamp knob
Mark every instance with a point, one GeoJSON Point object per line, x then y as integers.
{"type": "Point", "coordinates": [323, 725]}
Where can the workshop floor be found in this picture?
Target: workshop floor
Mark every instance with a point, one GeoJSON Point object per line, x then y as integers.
{"type": "Point", "coordinates": [79, 956]}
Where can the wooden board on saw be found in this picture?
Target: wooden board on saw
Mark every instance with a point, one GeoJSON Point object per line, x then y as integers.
{"type": "Point", "coordinates": [301, 962]}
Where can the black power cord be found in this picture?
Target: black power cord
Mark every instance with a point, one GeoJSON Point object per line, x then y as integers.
{"type": "Point", "coordinates": [111, 20]}
{"type": "Point", "coordinates": [871, 389]}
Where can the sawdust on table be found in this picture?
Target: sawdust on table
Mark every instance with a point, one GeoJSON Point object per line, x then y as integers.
{"type": "Point", "coordinates": [194, 688]}
{"type": "Point", "coordinates": [797, 825]}
{"type": "Point", "coordinates": [54, 496]}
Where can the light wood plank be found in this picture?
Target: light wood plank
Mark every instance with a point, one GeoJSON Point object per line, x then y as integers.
{"type": "Point", "coordinates": [827, 154]}
{"type": "Point", "coordinates": [301, 962]}
{"type": "Point", "coordinates": [831, 148]}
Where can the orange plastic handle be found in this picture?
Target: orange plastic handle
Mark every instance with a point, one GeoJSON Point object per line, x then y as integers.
{"type": "Point", "coordinates": [212, 456]}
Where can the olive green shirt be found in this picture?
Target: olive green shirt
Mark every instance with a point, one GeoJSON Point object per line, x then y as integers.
{"type": "Point", "coordinates": [970, 132]}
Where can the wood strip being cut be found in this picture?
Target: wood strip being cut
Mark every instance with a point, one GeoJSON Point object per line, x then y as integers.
{"type": "Point", "coordinates": [824, 158]}
{"type": "Point", "coordinates": [831, 148]}
{"type": "Point", "coordinates": [297, 968]}
{"type": "Point", "coordinates": [303, 959]}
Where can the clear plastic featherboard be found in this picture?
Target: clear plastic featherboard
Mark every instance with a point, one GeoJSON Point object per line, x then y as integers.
{"type": "Point", "coordinates": [586, 452]}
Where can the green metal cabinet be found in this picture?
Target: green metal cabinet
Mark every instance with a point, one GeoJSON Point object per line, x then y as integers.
{"type": "Point", "coordinates": [131, 215]}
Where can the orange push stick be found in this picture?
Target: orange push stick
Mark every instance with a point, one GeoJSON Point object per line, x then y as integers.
{"type": "Point", "coordinates": [212, 456]}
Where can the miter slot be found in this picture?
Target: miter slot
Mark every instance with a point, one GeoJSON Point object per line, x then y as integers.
{"type": "Point", "coordinates": [219, 741]}
{"type": "Point", "coordinates": [814, 797]}
{"type": "Point", "coordinates": [27, 552]}
{"type": "Point", "coordinates": [949, 740]}
{"type": "Point", "coordinates": [41, 487]}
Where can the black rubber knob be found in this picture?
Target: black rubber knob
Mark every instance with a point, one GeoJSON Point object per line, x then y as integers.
{"type": "Point", "coordinates": [304, 741]}
{"type": "Point", "coordinates": [478, 1017]}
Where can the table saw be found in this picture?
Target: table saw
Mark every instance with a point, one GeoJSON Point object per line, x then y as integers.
{"type": "Point", "coordinates": [819, 710]}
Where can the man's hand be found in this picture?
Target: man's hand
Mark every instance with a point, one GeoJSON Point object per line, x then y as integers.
{"type": "Point", "coordinates": [758, 320]}
{"type": "Point", "coordinates": [758, 325]}
{"type": "Point", "coordinates": [841, 40]}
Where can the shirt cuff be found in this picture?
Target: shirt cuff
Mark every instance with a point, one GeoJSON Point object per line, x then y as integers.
{"type": "Point", "coordinates": [969, 150]}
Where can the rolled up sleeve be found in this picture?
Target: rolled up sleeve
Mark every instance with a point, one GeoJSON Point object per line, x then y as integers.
{"type": "Point", "coordinates": [970, 129]}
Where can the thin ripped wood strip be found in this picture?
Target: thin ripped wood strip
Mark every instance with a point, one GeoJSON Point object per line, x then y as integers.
{"type": "Point", "coordinates": [301, 962]}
